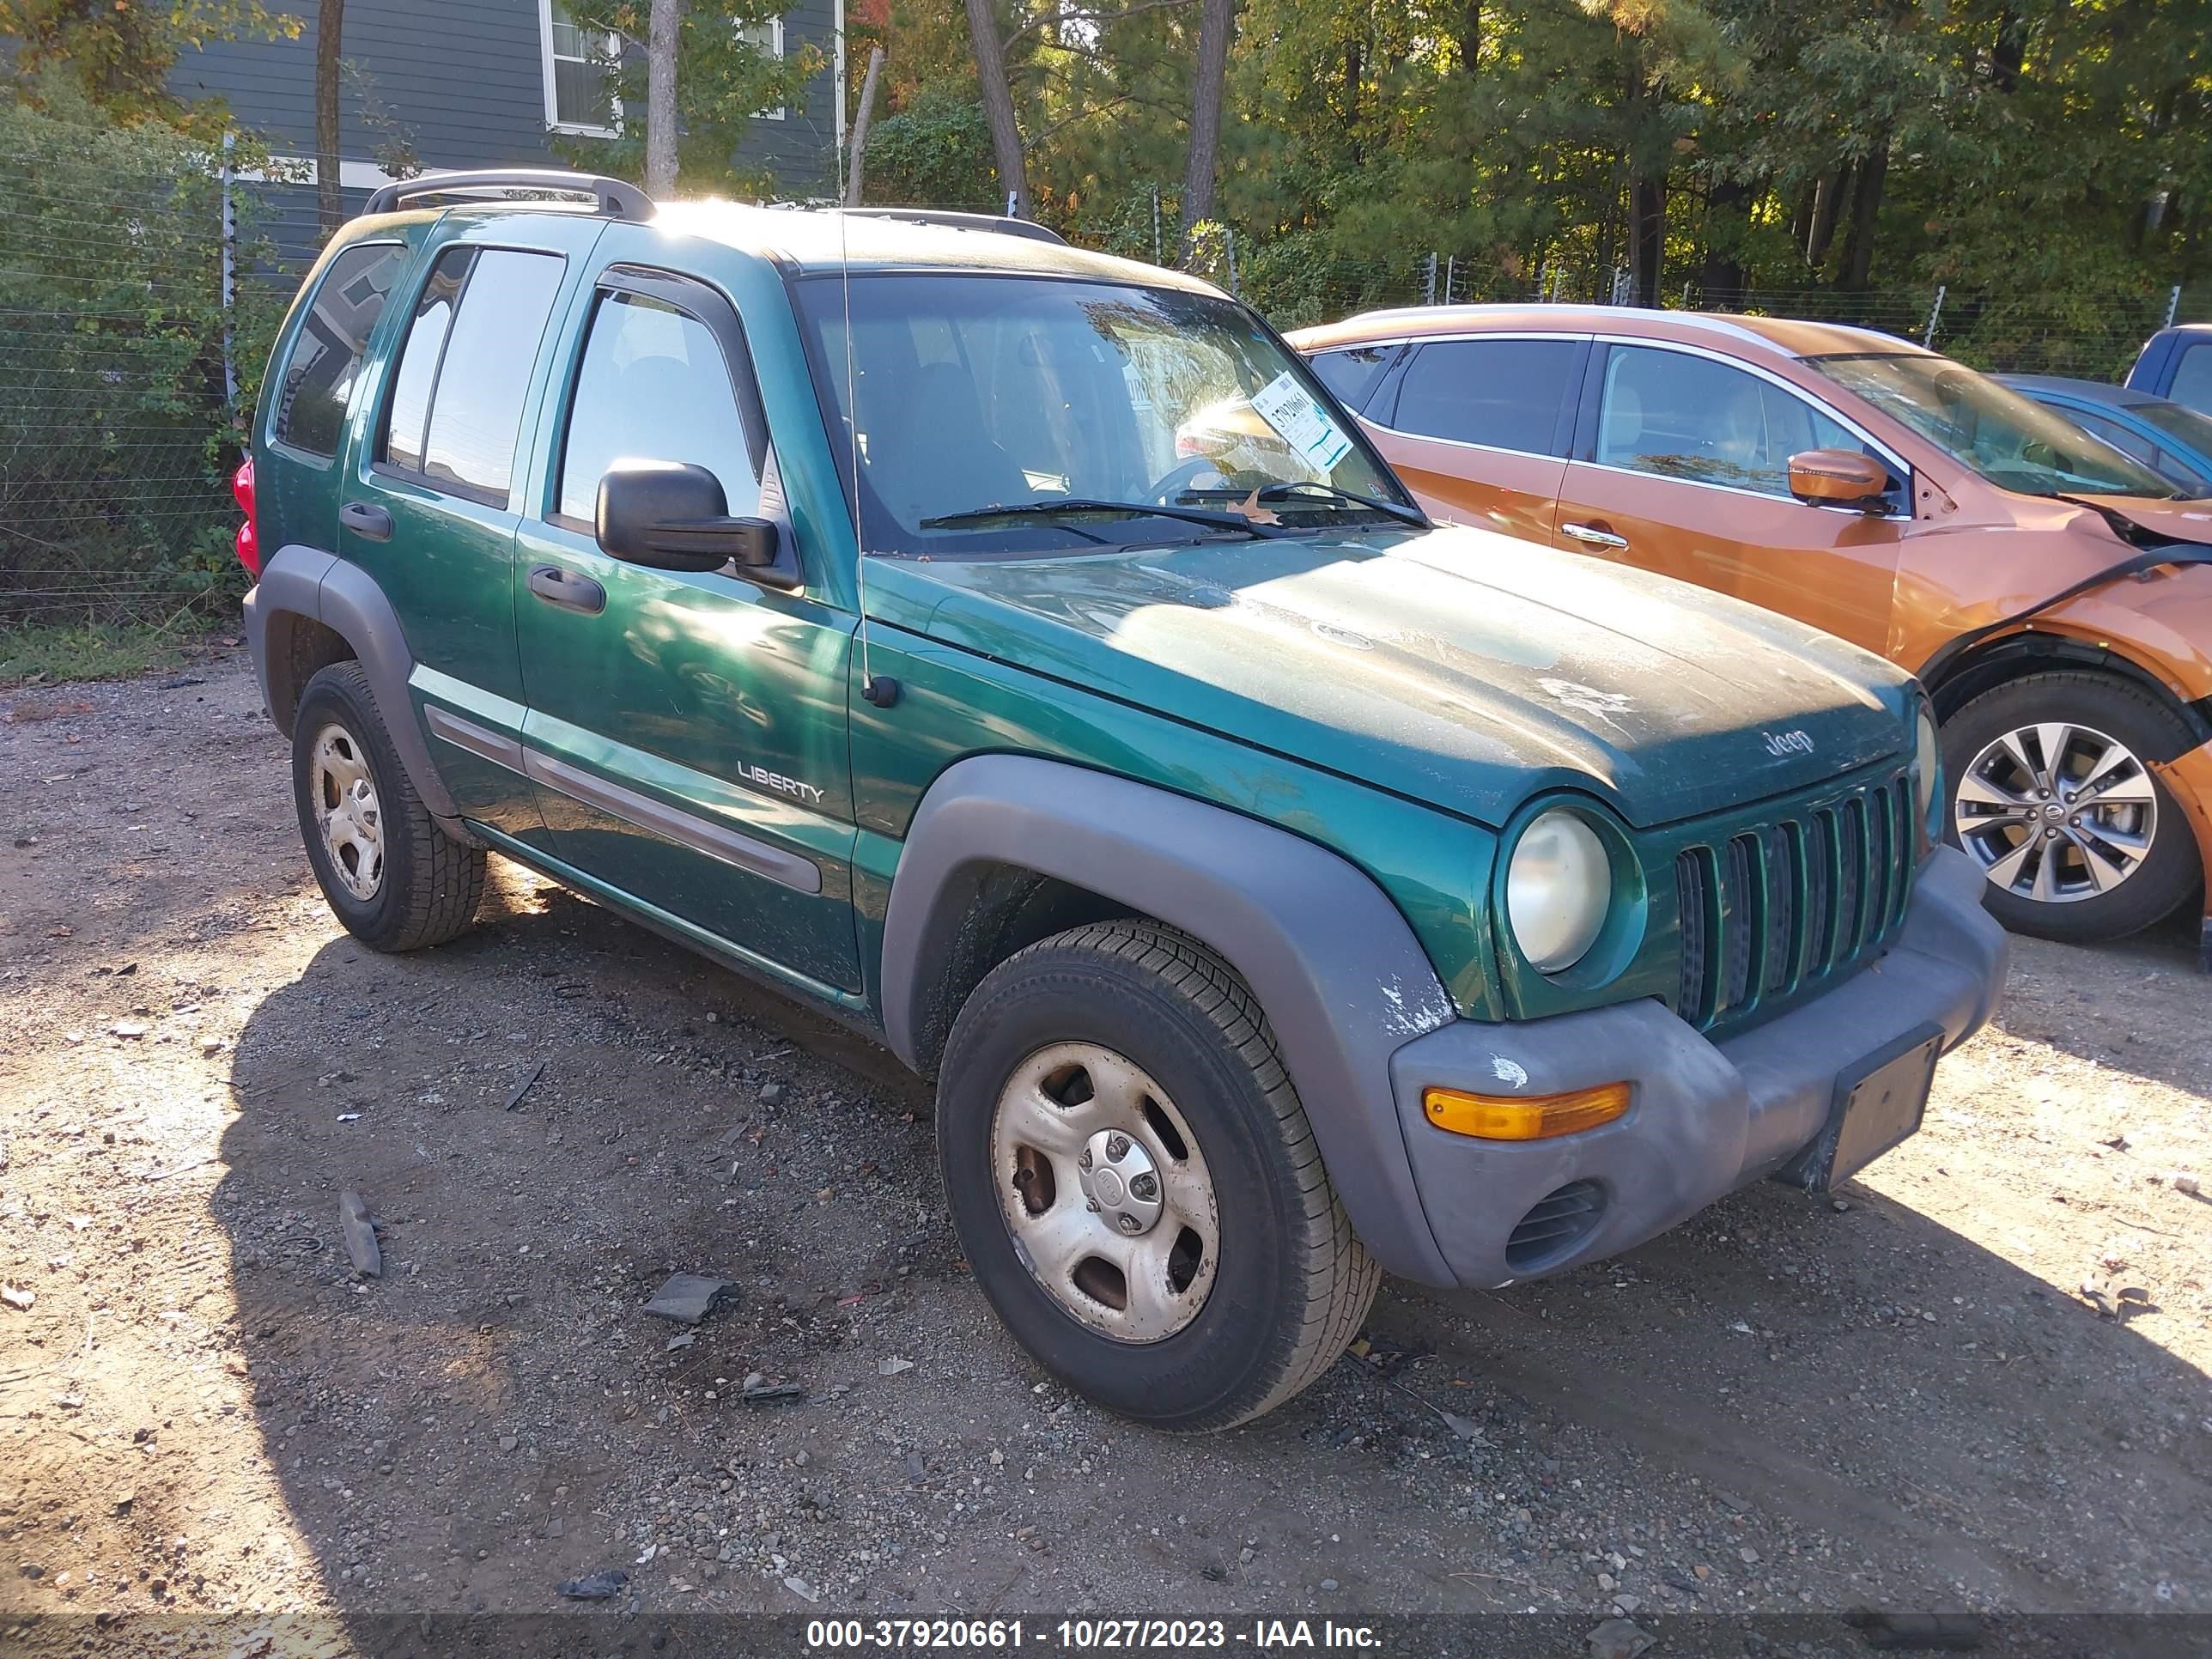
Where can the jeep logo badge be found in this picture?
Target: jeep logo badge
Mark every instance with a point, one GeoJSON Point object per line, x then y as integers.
{"type": "Point", "coordinates": [1788, 743]}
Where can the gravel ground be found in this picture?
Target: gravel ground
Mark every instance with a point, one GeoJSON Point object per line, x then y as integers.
{"type": "Point", "coordinates": [1902, 1399]}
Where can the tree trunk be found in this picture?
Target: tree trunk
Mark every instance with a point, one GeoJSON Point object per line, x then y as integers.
{"type": "Point", "coordinates": [1866, 205]}
{"type": "Point", "coordinates": [854, 167]}
{"type": "Point", "coordinates": [1728, 216]}
{"type": "Point", "coordinates": [329, 38]}
{"type": "Point", "coordinates": [2009, 54]}
{"type": "Point", "coordinates": [1215, 21]}
{"type": "Point", "coordinates": [1647, 236]}
{"type": "Point", "coordinates": [1354, 65]}
{"type": "Point", "coordinates": [663, 28]}
{"type": "Point", "coordinates": [1647, 185]}
{"type": "Point", "coordinates": [999, 106]}
{"type": "Point", "coordinates": [1470, 36]}
{"type": "Point", "coordinates": [1827, 197]}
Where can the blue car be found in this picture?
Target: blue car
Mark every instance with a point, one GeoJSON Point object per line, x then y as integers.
{"type": "Point", "coordinates": [2174, 442]}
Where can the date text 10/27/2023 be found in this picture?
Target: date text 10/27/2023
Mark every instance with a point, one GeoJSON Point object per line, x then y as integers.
{"type": "Point", "coordinates": [1262, 1636]}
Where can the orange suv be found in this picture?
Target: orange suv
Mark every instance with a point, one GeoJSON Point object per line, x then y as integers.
{"type": "Point", "coordinates": [2040, 583]}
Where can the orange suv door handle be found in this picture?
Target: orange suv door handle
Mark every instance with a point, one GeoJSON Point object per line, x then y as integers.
{"type": "Point", "coordinates": [1592, 535]}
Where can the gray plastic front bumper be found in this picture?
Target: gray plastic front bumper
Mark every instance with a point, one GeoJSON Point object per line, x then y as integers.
{"type": "Point", "coordinates": [1705, 1118]}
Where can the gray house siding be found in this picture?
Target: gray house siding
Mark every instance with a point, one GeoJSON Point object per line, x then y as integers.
{"type": "Point", "coordinates": [800, 150]}
{"type": "Point", "coordinates": [462, 79]}
{"type": "Point", "coordinates": [462, 83]}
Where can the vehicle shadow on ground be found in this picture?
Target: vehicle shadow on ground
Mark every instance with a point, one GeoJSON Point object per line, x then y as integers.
{"type": "Point", "coordinates": [490, 1416]}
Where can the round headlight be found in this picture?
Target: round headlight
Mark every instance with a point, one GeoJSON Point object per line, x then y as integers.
{"type": "Point", "coordinates": [1558, 889]}
{"type": "Point", "coordinates": [1930, 760]}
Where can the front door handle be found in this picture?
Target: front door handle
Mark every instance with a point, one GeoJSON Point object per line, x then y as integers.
{"type": "Point", "coordinates": [372, 523]}
{"type": "Point", "coordinates": [1594, 535]}
{"type": "Point", "coordinates": [565, 588]}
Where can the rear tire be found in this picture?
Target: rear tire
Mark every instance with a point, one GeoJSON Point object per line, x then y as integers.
{"type": "Point", "coordinates": [1135, 1046]}
{"type": "Point", "coordinates": [394, 878]}
{"type": "Point", "coordinates": [2102, 864]}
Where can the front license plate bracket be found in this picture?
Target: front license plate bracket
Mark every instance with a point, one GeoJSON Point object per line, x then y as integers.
{"type": "Point", "coordinates": [1876, 1105]}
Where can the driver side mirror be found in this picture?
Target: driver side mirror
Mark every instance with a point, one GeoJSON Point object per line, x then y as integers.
{"type": "Point", "coordinates": [1838, 478]}
{"type": "Point", "coordinates": [672, 515]}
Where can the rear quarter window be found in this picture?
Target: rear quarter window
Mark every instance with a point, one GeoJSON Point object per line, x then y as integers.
{"type": "Point", "coordinates": [1352, 372]}
{"type": "Point", "coordinates": [316, 382]}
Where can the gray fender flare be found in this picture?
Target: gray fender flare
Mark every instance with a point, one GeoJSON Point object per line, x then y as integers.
{"type": "Point", "coordinates": [1340, 976]}
{"type": "Point", "coordinates": [345, 598]}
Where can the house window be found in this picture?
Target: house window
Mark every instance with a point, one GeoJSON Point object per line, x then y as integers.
{"type": "Point", "coordinates": [765, 36]}
{"type": "Point", "coordinates": [579, 94]}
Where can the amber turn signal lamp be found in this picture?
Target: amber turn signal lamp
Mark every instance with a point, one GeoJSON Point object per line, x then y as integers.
{"type": "Point", "coordinates": [1524, 1117]}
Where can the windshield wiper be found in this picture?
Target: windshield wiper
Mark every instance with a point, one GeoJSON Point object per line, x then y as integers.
{"type": "Point", "coordinates": [1214, 521]}
{"type": "Point", "coordinates": [1282, 492]}
{"type": "Point", "coordinates": [1288, 488]}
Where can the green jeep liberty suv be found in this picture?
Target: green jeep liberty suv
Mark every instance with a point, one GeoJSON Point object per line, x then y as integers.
{"type": "Point", "coordinates": [1017, 652]}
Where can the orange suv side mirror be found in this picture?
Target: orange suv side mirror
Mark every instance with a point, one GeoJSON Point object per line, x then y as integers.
{"type": "Point", "coordinates": [1838, 478]}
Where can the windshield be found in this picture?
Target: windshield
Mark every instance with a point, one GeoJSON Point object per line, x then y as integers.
{"type": "Point", "coordinates": [2015, 443]}
{"type": "Point", "coordinates": [981, 391]}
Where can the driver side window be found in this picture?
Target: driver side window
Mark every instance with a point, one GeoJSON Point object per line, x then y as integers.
{"type": "Point", "coordinates": [1682, 416]}
{"type": "Point", "coordinates": [653, 386]}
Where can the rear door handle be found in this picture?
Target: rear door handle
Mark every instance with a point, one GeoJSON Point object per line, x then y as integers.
{"type": "Point", "coordinates": [565, 588]}
{"type": "Point", "coordinates": [373, 523]}
{"type": "Point", "coordinates": [1591, 535]}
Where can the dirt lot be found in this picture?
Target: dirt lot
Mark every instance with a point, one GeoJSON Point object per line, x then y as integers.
{"type": "Point", "coordinates": [1791, 1405]}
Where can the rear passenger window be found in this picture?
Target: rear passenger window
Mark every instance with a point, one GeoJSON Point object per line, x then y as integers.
{"type": "Point", "coordinates": [326, 357]}
{"type": "Point", "coordinates": [457, 397]}
{"type": "Point", "coordinates": [1502, 394]}
{"type": "Point", "coordinates": [418, 360]}
{"type": "Point", "coordinates": [1352, 374]}
{"type": "Point", "coordinates": [653, 387]}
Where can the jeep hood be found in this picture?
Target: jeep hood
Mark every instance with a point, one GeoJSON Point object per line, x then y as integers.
{"type": "Point", "coordinates": [1458, 667]}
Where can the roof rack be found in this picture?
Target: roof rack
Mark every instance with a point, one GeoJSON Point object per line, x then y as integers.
{"type": "Point", "coordinates": [990, 222]}
{"type": "Point", "coordinates": [614, 198]}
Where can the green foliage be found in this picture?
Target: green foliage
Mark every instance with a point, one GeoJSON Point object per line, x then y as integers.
{"type": "Point", "coordinates": [725, 78]}
{"type": "Point", "coordinates": [49, 653]}
{"type": "Point", "coordinates": [117, 55]}
{"type": "Point", "coordinates": [2051, 160]}
{"type": "Point", "coordinates": [116, 429]}
{"type": "Point", "coordinates": [935, 152]}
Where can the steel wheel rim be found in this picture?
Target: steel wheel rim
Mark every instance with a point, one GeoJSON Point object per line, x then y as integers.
{"type": "Point", "coordinates": [347, 815]}
{"type": "Point", "coordinates": [1104, 1192]}
{"type": "Point", "coordinates": [2056, 813]}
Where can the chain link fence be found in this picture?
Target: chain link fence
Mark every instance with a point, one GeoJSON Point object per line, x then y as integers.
{"type": "Point", "coordinates": [1296, 283]}
{"type": "Point", "coordinates": [123, 322]}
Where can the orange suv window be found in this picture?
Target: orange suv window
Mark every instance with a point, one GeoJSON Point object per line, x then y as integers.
{"type": "Point", "coordinates": [1501, 394]}
{"type": "Point", "coordinates": [1689, 417]}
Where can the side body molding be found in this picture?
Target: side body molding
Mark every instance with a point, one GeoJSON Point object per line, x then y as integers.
{"type": "Point", "coordinates": [1342, 979]}
{"type": "Point", "coordinates": [307, 582]}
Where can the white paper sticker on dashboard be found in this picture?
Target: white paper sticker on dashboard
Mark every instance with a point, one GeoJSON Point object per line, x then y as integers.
{"type": "Point", "coordinates": [1304, 424]}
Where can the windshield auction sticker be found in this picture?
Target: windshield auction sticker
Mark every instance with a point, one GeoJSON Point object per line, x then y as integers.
{"type": "Point", "coordinates": [1304, 425]}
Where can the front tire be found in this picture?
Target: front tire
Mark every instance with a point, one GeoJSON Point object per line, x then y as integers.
{"type": "Point", "coordinates": [1135, 1182]}
{"type": "Point", "coordinates": [2051, 793]}
{"type": "Point", "coordinates": [390, 874]}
